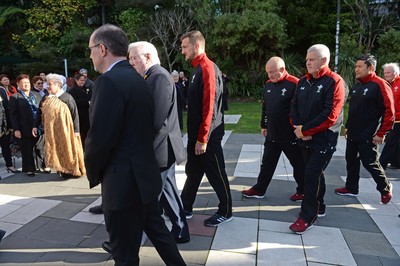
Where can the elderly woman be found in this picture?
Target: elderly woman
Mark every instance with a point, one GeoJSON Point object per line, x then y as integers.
{"type": "Point", "coordinates": [82, 95]}
{"type": "Point", "coordinates": [23, 107]}
{"type": "Point", "coordinates": [59, 114]}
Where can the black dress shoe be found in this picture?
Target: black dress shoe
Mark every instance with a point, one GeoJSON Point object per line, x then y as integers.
{"type": "Point", "coordinates": [2, 233]}
{"type": "Point", "coordinates": [106, 246]}
{"type": "Point", "coordinates": [96, 209]}
{"type": "Point", "coordinates": [181, 240]}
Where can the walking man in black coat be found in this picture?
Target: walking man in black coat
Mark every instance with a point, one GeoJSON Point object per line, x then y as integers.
{"type": "Point", "coordinates": [168, 145]}
{"type": "Point", "coordinates": [119, 152]}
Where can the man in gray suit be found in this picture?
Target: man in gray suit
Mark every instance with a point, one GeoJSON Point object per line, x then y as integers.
{"type": "Point", "coordinates": [168, 145]}
{"type": "Point", "coordinates": [119, 152]}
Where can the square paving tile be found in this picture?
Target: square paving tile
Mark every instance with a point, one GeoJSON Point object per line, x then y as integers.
{"type": "Point", "coordinates": [327, 245]}
{"type": "Point", "coordinates": [228, 238]}
{"type": "Point", "coordinates": [275, 248]}
{"type": "Point", "coordinates": [223, 258]}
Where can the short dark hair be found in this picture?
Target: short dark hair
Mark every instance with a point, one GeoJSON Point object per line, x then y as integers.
{"type": "Point", "coordinates": [21, 76]}
{"type": "Point", "coordinates": [35, 79]}
{"type": "Point", "coordinates": [368, 59]}
{"type": "Point", "coordinates": [194, 36]}
{"type": "Point", "coordinates": [113, 38]}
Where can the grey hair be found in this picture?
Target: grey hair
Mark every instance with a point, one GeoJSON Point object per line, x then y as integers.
{"type": "Point", "coordinates": [322, 51]}
{"type": "Point", "coordinates": [55, 78]}
{"type": "Point", "coordinates": [175, 73]}
{"type": "Point", "coordinates": [146, 48]}
{"type": "Point", "coordinates": [393, 66]}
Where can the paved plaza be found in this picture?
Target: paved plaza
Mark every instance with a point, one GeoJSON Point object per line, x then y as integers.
{"type": "Point", "coordinates": [48, 223]}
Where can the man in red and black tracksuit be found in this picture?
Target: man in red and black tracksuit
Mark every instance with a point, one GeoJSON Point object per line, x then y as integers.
{"type": "Point", "coordinates": [277, 130]}
{"type": "Point", "coordinates": [391, 150]}
{"type": "Point", "coordinates": [370, 118]}
{"type": "Point", "coordinates": [316, 115]}
{"type": "Point", "coordinates": [205, 125]}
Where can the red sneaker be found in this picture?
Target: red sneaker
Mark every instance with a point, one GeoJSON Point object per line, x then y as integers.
{"type": "Point", "coordinates": [297, 197]}
{"type": "Point", "coordinates": [300, 226]}
{"type": "Point", "coordinates": [345, 192]}
{"type": "Point", "coordinates": [388, 196]}
{"type": "Point", "coordinates": [251, 193]}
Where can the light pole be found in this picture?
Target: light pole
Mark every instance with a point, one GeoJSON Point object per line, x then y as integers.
{"type": "Point", "coordinates": [337, 37]}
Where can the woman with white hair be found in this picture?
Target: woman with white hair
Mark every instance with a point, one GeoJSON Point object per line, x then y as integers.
{"type": "Point", "coordinates": [59, 114]}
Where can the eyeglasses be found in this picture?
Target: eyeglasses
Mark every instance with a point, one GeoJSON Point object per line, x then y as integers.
{"type": "Point", "coordinates": [39, 83]}
{"type": "Point", "coordinates": [89, 49]}
{"type": "Point", "coordinates": [136, 57]}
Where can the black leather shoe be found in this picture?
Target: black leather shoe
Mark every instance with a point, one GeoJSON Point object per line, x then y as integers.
{"type": "Point", "coordinates": [181, 240]}
{"type": "Point", "coordinates": [106, 246]}
{"type": "Point", "coordinates": [96, 209]}
{"type": "Point", "coordinates": [2, 233]}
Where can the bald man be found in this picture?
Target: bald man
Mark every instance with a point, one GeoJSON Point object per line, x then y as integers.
{"type": "Point", "coordinates": [277, 130]}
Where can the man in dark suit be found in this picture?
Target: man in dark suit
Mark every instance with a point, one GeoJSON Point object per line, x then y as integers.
{"type": "Point", "coordinates": [23, 107]}
{"type": "Point", "coordinates": [119, 152]}
{"type": "Point", "coordinates": [168, 145]}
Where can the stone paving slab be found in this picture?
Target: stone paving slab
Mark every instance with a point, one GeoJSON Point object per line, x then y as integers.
{"type": "Point", "coordinates": [258, 234]}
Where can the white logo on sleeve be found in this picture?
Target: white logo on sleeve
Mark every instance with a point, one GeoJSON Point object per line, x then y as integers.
{"type": "Point", "coordinates": [319, 88]}
{"type": "Point", "coordinates": [365, 91]}
{"type": "Point", "coordinates": [283, 91]}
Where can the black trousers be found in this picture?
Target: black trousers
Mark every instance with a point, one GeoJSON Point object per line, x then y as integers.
{"type": "Point", "coordinates": [125, 228]}
{"type": "Point", "coordinates": [316, 161]}
{"type": "Point", "coordinates": [367, 153]}
{"type": "Point", "coordinates": [5, 149]}
{"type": "Point", "coordinates": [213, 165]}
{"type": "Point", "coordinates": [272, 152]}
{"type": "Point", "coordinates": [170, 201]}
{"type": "Point", "coordinates": [391, 150]}
{"type": "Point", "coordinates": [39, 153]}
{"type": "Point", "coordinates": [26, 145]}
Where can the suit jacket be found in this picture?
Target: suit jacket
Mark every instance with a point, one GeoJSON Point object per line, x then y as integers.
{"type": "Point", "coordinates": [21, 114]}
{"type": "Point", "coordinates": [119, 146]}
{"type": "Point", "coordinates": [166, 121]}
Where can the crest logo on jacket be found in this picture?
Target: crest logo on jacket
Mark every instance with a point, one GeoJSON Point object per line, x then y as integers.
{"type": "Point", "coordinates": [193, 78]}
{"type": "Point", "coordinates": [283, 91]}
{"type": "Point", "coordinates": [268, 91]}
{"type": "Point", "coordinates": [365, 91]}
{"type": "Point", "coordinates": [302, 88]}
{"type": "Point", "coordinates": [319, 88]}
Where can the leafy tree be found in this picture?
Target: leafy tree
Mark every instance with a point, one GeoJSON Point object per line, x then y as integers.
{"type": "Point", "coordinates": [389, 48]}
{"type": "Point", "coordinates": [248, 37]}
{"type": "Point", "coordinates": [309, 22]}
{"type": "Point", "coordinates": [168, 26]}
{"type": "Point", "coordinates": [132, 21]}
{"type": "Point", "coordinates": [48, 20]}
{"type": "Point", "coordinates": [370, 19]}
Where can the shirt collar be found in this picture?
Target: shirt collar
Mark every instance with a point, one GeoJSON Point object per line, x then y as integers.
{"type": "Point", "coordinates": [113, 64]}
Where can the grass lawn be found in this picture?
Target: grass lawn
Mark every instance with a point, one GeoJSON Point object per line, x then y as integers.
{"type": "Point", "coordinates": [249, 121]}
{"type": "Point", "coordinates": [251, 114]}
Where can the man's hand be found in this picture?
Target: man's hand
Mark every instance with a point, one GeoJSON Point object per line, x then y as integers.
{"type": "Point", "coordinates": [264, 132]}
{"type": "Point", "coordinates": [34, 132]}
{"type": "Point", "coordinates": [306, 138]}
{"type": "Point", "coordinates": [297, 131]}
{"type": "Point", "coordinates": [200, 148]}
{"type": "Point", "coordinates": [377, 140]}
{"type": "Point", "coordinates": [17, 134]}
